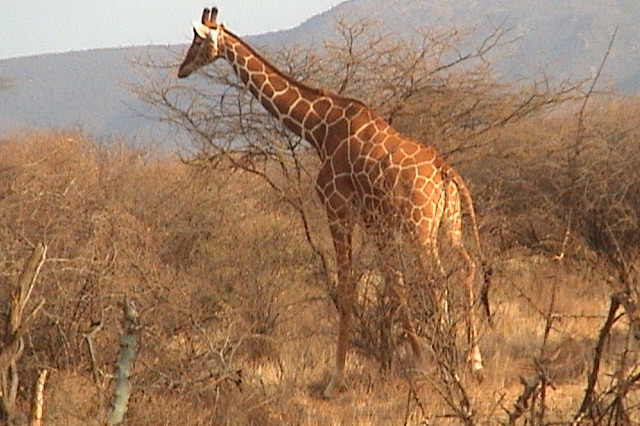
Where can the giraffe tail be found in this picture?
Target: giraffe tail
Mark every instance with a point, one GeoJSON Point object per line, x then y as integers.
{"type": "Point", "coordinates": [485, 267]}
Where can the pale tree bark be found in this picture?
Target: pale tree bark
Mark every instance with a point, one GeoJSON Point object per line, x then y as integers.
{"type": "Point", "coordinates": [124, 367]}
{"type": "Point", "coordinates": [15, 329]}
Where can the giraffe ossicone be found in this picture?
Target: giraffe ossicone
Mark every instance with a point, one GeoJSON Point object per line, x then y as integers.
{"type": "Point", "coordinates": [370, 174]}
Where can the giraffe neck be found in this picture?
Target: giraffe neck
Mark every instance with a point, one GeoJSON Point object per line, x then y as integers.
{"type": "Point", "coordinates": [322, 118]}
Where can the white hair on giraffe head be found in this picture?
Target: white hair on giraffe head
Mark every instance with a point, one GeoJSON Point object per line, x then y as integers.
{"type": "Point", "coordinates": [202, 30]}
{"type": "Point", "coordinates": [207, 33]}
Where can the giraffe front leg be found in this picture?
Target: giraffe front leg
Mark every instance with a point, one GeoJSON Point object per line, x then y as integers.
{"type": "Point", "coordinates": [335, 381]}
{"type": "Point", "coordinates": [341, 234]}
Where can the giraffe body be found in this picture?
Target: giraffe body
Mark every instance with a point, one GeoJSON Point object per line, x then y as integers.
{"type": "Point", "coordinates": [370, 173]}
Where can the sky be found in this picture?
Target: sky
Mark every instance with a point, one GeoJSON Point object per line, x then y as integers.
{"type": "Point", "coordinates": [29, 27]}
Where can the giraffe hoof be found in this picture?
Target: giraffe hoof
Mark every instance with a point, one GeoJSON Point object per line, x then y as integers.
{"type": "Point", "coordinates": [478, 375]}
{"type": "Point", "coordinates": [329, 393]}
{"type": "Point", "coordinates": [332, 389]}
{"type": "Point", "coordinates": [477, 367]}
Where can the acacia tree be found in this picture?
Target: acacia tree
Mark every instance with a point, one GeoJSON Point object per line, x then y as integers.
{"type": "Point", "coordinates": [426, 85]}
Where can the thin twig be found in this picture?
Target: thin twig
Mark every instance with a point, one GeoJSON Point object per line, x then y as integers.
{"type": "Point", "coordinates": [588, 398]}
{"type": "Point", "coordinates": [95, 328]}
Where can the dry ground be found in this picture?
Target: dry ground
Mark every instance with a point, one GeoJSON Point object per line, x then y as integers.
{"type": "Point", "coordinates": [237, 323]}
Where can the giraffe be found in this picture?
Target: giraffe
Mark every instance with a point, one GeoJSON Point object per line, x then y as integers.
{"type": "Point", "coordinates": [370, 174]}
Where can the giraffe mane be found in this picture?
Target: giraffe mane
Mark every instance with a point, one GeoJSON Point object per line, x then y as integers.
{"type": "Point", "coordinates": [318, 90]}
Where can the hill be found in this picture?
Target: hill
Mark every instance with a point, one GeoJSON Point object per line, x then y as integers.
{"type": "Point", "coordinates": [89, 89]}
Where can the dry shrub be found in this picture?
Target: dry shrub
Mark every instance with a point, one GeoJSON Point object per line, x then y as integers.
{"type": "Point", "coordinates": [555, 174]}
{"type": "Point", "coordinates": [72, 399]}
{"type": "Point", "coordinates": [61, 190]}
{"type": "Point", "coordinates": [207, 277]}
{"type": "Point", "coordinates": [558, 196]}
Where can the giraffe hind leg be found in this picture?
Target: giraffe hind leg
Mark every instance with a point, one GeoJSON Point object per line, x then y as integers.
{"type": "Point", "coordinates": [431, 262]}
{"type": "Point", "coordinates": [454, 231]}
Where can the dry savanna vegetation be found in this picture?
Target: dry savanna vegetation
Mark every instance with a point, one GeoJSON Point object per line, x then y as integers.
{"type": "Point", "coordinates": [223, 262]}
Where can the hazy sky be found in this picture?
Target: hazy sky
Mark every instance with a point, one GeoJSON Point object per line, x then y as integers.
{"type": "Point", "coordinates": [29, 27]}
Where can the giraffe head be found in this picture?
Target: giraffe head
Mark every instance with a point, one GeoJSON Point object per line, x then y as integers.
{"type": "Point", "coordinates": [204, 48]}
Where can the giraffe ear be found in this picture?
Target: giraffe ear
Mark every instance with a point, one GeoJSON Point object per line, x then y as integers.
{"type": "Point", "coordinates": [201, 30]}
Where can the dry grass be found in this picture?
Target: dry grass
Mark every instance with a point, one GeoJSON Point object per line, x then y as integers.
{"type": "Point", "coordinates": [238, 326]}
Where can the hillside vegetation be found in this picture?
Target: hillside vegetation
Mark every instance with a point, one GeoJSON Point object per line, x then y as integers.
{"type": "Point", "coordinates": [236, 320]}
